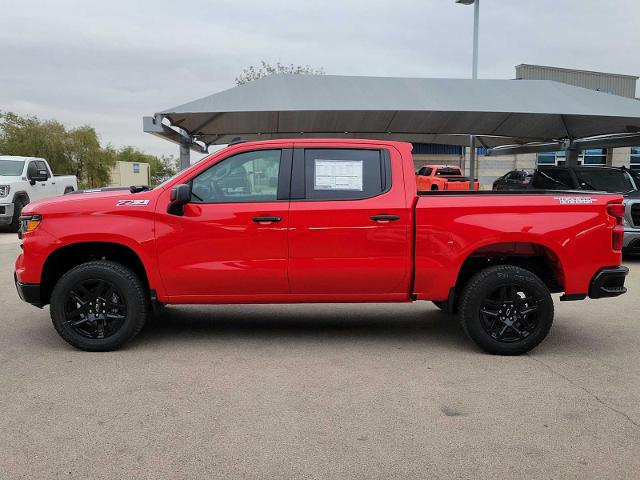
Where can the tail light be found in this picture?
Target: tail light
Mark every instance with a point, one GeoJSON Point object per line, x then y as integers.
{"type": "Point", "coordinates": [616, 210]}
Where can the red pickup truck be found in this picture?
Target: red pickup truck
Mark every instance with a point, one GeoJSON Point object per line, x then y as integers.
{"type": "Point", "coordinates": [291, 221]}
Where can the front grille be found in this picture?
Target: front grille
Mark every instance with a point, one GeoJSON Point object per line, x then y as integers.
{"type": "Point", "coordinates": [2, 210]}
{"type": "Point", "coordinates": [635, 214]}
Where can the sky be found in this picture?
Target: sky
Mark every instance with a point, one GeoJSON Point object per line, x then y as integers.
{"type": "Point", "coordinates": [108, 63]}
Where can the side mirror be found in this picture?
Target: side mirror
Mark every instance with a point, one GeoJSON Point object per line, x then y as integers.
{"type": "Point", "coordinates": [180, 196]}
{"type": "Point", "coordinates": [39, 176]}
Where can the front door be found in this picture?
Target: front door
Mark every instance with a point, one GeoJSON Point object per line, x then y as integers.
{"type": "Point", "coordinates": [350, 225]}
{"type": "Point", "coordinates": [231, 242]}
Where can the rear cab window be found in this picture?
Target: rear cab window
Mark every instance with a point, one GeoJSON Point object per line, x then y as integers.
{"type": "Point", "coordinates": [448, 172]}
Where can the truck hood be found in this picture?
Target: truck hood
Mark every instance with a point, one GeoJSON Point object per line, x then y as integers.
{"type": "Point", "coordinates": [85, 201]}
{"type": "Point", "coordinates": [4, 179]}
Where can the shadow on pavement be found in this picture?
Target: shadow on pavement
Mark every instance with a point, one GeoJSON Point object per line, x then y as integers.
{"type": "Point", "coordinates": [306, 322]}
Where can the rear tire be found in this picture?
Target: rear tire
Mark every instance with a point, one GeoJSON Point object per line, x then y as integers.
{"type": "Point", "coordinates": [506, 310]}
{"type": "Point", "coordinates": [99, 305]}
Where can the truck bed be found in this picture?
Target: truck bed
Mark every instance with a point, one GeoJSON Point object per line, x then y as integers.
{"type": "Point", "coordinates": [571, 229]}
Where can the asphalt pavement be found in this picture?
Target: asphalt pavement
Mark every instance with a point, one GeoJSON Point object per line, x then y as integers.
{"type": "Point", "coordinates": [320, 391]}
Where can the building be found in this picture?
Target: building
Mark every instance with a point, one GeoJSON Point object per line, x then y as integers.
{"type": "Point", "coordinates": [490, 168]}
{"type": "Point", "coordinates": [125, 174]}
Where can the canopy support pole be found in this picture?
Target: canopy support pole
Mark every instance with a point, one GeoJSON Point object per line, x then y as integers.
{"type": "Point", "coordinates": [472, 162]}
{"type": "Point", "coordinates": [185, 156]}
{"type": "Point", "coordinates": [572, 154]}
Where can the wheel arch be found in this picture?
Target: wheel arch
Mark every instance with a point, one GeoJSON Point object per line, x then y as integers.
{"type": "Point", "coordinates": [66, 257]}
{"type": "Point", "coordinates": [540, 259]}
{"type": "Point", "coordinates": [23, 195]}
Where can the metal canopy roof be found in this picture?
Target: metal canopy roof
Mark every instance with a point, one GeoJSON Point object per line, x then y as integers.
{"type": "Point", "coordinates": [426, 110]}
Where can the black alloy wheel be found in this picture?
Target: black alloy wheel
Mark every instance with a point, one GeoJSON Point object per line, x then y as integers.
{"type": "Point", "coordinates": [95, 308]}
{"type": "Point", "coordinates": [509, 314]}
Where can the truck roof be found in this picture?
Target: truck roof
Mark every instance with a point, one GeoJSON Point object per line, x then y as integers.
{"type": "Point", "coordinates": [442, 166]}
{"type": "Point", "coordinates": [338, 141]}
{"type": "Point", "coordinates": [18, 158]}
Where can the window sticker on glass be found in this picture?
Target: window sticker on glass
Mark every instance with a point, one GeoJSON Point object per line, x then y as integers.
{"type": "Point", "coordinates": [338, 175]}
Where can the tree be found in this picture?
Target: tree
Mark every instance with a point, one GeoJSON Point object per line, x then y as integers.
{"type": "Point", "coordinates": [265, 69]}
{"type": "Point", "coordinates": [73, 152]}
{"type": "Point", "coordinates": [31, 137]}
{"type": "Point", "coordinates": [91, 163]}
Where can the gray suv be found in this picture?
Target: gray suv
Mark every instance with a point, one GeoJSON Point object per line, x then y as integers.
{"type": "Point", "coordinates": [632, 223]}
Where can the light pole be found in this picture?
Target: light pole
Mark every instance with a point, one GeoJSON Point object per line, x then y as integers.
{"type": "Point", "coordinates": [474, 76]}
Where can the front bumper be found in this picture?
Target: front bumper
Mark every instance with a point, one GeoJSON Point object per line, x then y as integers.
{"type": "Point", "coordinates": [608, 282]}
{"type": "Point", "coordinates": [29, 292]}
{"type": "Point", "coordinates": [6, 213]}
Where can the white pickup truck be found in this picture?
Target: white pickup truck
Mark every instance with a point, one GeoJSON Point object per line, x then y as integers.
{"type": "Point", "coordinates": [24, 179]}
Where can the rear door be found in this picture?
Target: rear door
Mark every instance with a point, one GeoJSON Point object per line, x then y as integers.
{"type": "Point", "coordinates": [350, 225]}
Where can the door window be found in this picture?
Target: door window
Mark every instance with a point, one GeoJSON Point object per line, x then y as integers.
{"type": "Point", "coordinates": [42, 168]}
{"type": "Point", "coordinates": [343, 174]}
{"type": "Point", "coordinates": [245, 177]}
{"type": "Point", "coordinates": [613, 180]}
{"type": "Point", "coordinates": [32, 170]}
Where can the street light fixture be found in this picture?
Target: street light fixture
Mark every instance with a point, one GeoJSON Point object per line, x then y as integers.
{"type": "Point", "coordinates": [474, 76]}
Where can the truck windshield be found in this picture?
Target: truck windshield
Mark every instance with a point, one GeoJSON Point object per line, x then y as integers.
{"type": "Point", "coordinates": [614, 181]}
{"type": "Point", "coordinates": [11, 168]}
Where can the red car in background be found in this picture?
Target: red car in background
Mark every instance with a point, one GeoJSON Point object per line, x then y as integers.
{"type": "Point", "coordinates": [442, 177]}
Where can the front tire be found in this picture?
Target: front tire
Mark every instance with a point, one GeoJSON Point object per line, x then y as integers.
{"type": "Point", "coordinates": [18, 205]}
{"type": "Point", "coordinates": [506, 310]}
{"type": "Point", "coordinates": [99, 305]}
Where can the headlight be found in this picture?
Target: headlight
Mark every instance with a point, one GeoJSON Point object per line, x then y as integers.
{"type": "Point", "coordinates": [4, 190]}
{"type": "Point", "coordinates": [28, 223]}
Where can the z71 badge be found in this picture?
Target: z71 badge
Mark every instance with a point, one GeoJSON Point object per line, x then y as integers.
{"type": "Point", "coordinates": [132, 203]}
